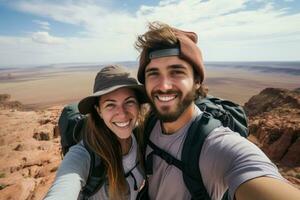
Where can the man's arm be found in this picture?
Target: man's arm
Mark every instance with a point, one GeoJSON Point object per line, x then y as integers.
{"type": "Point", "coordinates": [241, 166]}
{"type": "Point", "coordinates": [263, 188]}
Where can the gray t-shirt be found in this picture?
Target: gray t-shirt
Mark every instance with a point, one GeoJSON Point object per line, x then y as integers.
{"type": "Point", "coordinates": [227, 160]}
{"type": "Point", "coordinates": [73, 173]}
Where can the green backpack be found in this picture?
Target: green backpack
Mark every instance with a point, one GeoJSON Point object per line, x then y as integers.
{"type": "Point", "coordinates": [216, 112]}
{"type": "Point", "coordinates": [70, 124]}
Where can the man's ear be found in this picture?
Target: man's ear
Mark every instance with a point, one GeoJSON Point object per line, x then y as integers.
{"type": "Point", "coordinates": [98, 110]}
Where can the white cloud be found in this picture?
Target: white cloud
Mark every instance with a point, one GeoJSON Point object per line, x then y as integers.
{"type": "Point", "coordinates": [43, 24]}
{"type": "Point", "coordinates": [45, 38]}
{"type": "Point", "coordinates": [25, 51]}
{"type": "Point", "coordinates": [167, 2]}
{"type": "Point", "coordinates": [109, 35]}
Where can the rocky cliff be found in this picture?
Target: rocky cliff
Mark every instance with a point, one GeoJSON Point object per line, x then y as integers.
{"type": "Point", "coordinates": [30, 149]}
{"type": "Point", "coordinates": [274, 116]}
{"type": "Point", "coordinates": [274, 123]}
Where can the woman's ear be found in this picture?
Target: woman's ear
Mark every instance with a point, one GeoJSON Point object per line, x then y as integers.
{"type": "Point", "coordinates": [197, 84]}
{"type": "Point", "coordinates": [197, 81]}
{"type": "Point", "coordinates": [98, 110]}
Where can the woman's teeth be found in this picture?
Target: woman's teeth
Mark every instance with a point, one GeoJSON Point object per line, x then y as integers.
{"type": "Point", "coordinates": [122, 124]}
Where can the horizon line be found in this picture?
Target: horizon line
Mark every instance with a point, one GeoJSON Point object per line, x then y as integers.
{"type": "Point", "coordinates": [112, 62]}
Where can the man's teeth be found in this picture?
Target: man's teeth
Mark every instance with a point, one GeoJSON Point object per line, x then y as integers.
{"type": "Point", "coordinates": [165, 98]}
{"type": "Point", "coordinates": [122, 124]}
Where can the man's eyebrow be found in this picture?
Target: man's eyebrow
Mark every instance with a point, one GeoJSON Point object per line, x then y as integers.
{"type": "Point", "coordinates": [177, 66]}
{"type": "Point", "coordinates": [174, 66]}
{"type": "Point", "coordinates": [151, 69]}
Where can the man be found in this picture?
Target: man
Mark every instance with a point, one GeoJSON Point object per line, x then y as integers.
{"type": "Point", "coordinates": [172, 70]}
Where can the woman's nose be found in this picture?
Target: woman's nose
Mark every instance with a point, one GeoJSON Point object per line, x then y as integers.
{"type": "Point", "coordinates": [121, 110]}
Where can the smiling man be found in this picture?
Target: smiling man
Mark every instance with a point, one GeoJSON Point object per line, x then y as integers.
{"type": "Point", "coordinates": [171, 89]}
{"type": "Point", "coordinates": [172, 70]}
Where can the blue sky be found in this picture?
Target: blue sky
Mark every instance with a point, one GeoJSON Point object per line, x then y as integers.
{"type": "Point", "coordinates": [39, 32]}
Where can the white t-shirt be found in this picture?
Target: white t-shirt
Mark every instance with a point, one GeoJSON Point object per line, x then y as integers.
{"type": "Point", "coordinates": [226, 161]}
{"type": "Point", "coordinates": [74, 169]}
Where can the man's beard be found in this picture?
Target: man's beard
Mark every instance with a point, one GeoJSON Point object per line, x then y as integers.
{"type": "Point", "coordinates": [181, 106]}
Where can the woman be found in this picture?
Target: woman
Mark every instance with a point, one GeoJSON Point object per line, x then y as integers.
{"type": "Point", "coordinates": [113, 112]}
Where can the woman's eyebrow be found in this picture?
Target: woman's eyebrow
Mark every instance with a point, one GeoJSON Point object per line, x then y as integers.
{"type": "Point", "coordinates": [113, 100]}
{"type": "Point", "coordinates": [107, 100]}
{"type": "Point", "coordinates": [130, 98]}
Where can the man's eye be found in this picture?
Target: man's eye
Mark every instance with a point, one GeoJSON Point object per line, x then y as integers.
{"type": "Point", "coordinates": [149, 74]}
{"type": "Point", "coordinates": [177, 72]}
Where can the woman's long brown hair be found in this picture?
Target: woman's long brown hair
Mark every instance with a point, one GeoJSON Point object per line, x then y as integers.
{"type": "Point", "coordinates": [106, 145]}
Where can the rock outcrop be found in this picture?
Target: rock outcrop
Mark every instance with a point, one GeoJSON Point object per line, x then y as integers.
{"type": "Point", "coordinates": [29, 151]}
{"type": "Point", "coordinates": [274, 117]}
{"type": "Point", "coordinates": [30, 142]}
{"type": "Point", "coordinates": [6, 103]}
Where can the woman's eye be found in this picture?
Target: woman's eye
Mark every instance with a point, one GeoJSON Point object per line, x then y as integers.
{"type": "Point", "coordinates": [109, 106]}
{"type": "Point", "coordinates": [131, 102]}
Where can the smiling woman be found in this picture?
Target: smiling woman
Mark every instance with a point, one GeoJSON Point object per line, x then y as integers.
{"type": "Point", "coordinates": [119, 111]}
{"type": "Point", "coordinates": [112, 114]}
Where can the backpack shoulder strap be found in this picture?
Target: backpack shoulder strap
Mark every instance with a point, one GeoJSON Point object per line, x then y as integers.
{"type": "Point", "coordinates": [198, 131]}
{"type": "Point", "coordinates": [97, 174]}
{"type": "Point", "coordinates": [171, 160]}
{"type": "Point", "coordinates": [149, 124]}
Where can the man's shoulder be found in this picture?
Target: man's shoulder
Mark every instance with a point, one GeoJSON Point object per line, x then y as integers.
{"type": "Point", "coordinates": [222, 131]}
{"type": "Point", "coordinates": [223, 142]}
{"type": "Point", "coordinates": [224, 136]}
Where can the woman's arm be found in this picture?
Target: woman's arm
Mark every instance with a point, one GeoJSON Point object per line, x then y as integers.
{"type": "Point", "coordinates": [71, 175]}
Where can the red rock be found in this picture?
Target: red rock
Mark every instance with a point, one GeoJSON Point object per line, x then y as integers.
{"type": "Point", "coordinates": [274, 119]}
{"type": "Point", "coordinates": [30, 165]}
{"type": "Point", "coordinates": [56, 132]}
{"type": "Point", "coordinates": [277, 149]}
{"type": "Point", "coordinates": [41, 135]}
{"type": "Point", "coordinates": [44, 121]}
{"type": "Point", "coordinates": [21, 190]}
{"type": "Point", "coordinates": [292, 157]}
{"type": "Point", "coordinates": [22, 162]}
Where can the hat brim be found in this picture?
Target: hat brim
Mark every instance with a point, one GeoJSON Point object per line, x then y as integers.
{"type": "Point", "coordinates": [86, 105]}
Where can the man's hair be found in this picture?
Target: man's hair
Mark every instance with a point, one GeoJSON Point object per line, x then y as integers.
{"type": "Point", "coordinates": [162, 36]}
{"type": "Point", "coordinates": [159, 36]}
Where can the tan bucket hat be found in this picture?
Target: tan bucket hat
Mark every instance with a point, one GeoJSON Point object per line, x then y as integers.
{"type": "Point", "coordinates": [108, 79]}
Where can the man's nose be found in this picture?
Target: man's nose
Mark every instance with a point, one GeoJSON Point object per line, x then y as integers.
{"type": "Point", "coordinates": [165, 84]}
